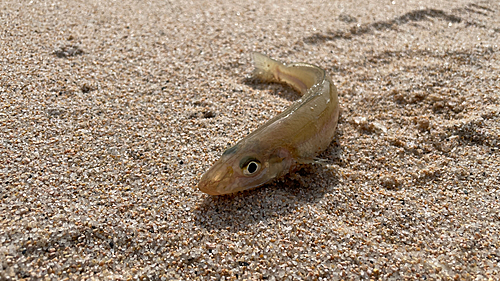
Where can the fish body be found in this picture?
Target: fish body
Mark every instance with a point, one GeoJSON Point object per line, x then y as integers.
{"type": "Point", "coordinates": [294, 137]}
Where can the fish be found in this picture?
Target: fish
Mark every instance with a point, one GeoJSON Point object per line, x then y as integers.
{"type": "Point", "coordinates": [281, 145]}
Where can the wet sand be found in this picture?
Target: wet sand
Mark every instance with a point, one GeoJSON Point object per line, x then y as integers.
{"type": "Point", "coordinates": [111, 112]}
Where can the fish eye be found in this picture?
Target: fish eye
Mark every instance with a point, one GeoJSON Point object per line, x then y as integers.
{"type": "Point", "coordinates": [251, 168]}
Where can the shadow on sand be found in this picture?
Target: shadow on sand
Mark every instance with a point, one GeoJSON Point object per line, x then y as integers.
{"type": "Point", "coordinates": [281, 90]}
{"type": "Point", "coordinates": [238, 212]}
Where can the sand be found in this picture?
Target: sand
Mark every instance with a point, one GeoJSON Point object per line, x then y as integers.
{"type": "Point", "coordinates": [110, 112]}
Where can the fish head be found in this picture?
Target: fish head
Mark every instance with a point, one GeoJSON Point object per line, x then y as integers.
{"type": "Point", "coordinates": [241, 168]}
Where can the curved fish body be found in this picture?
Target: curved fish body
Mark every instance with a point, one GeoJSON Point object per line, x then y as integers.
{"type": "Point", "coordinates": [294, 137]}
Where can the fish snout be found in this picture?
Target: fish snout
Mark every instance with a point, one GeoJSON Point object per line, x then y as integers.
{"type": "Point", "coordinates": [214, 181]}
{"type": "Point", "coordinates": [208, 187]}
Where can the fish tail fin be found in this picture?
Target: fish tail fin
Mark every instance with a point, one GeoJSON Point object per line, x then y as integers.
{"type": "Point", "coordinates": [266, 68]}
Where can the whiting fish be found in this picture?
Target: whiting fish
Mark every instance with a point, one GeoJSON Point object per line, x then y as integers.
{"type": "Point", "coordinates": [292, 138]}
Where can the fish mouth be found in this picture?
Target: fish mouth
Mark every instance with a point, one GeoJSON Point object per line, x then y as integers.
{"type": "Point", "coordinates": [214, 185]}
{"type": "Point", "coordinates": [215, 180]}
{"type": "Point", "coordinates": [209, 187]}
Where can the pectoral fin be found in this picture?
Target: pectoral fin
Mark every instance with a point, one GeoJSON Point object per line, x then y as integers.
{"type": "Point", "coordinates": [280, 161]}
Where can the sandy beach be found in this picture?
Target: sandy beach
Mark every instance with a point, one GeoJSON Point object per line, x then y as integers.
{"type": "Point", "coordinates": [111, 111]}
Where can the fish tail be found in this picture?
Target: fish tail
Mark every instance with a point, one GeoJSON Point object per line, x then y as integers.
{"type": "Point", "coordinates": [266, 68]}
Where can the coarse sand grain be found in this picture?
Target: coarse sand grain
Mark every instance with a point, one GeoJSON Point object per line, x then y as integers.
{"type": "Point", "coordinates": [110, 112]}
